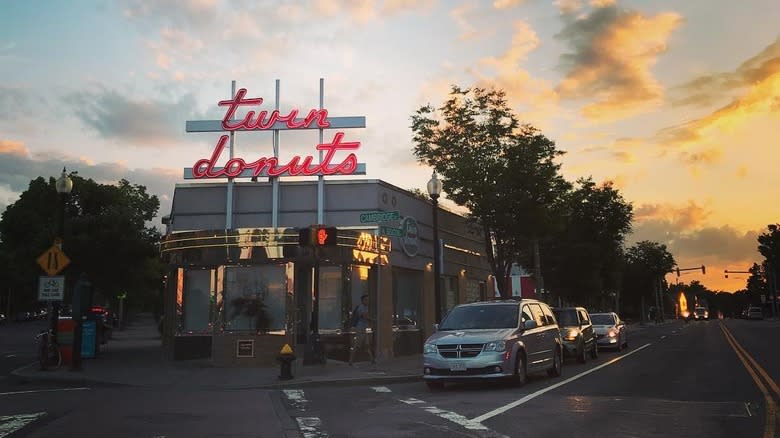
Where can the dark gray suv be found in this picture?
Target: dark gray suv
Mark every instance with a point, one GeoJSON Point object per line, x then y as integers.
{"type": "Point", "coordinates": [579, 339]}
{"type": "Point", "coordinates": [493, 339]}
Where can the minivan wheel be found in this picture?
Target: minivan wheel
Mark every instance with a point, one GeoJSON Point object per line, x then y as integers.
{"type": "Point", "coordinates": [582, 355]}
{"type": "Point", "coordinates": [555, 370]}
{"type": "Point", "coordinates": [594, 353]}
{"type": "Point", "coordinates": [521, 374]}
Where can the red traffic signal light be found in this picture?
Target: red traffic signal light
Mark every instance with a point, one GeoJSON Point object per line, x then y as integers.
{"type": "Point", "coordinates": [318, 236]}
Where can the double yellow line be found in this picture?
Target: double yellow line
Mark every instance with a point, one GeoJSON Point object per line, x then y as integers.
{"type": "Point", "coordinates": [764, 385]}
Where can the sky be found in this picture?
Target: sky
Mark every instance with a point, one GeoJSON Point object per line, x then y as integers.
{"type": "Point", "coordinates": [676, 102]}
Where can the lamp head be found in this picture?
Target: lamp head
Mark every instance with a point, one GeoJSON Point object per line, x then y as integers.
{"type": "Point", "coordinates": [64, 183]}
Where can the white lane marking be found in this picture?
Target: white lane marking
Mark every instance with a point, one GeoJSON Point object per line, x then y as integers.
{"type": "Point", "coordinates": [43, 390]}
{"type": "Point", "coordinates": [296, 397]}
{"type": "Point", "coordinates": [674, 332]}
{"type": "Point", "coordinates": [450, 416]}
{"type": "Point", "coordinates": [8, 356]}
{"type": "Point", "coordinates": [381, 389]}
{"type": "Point", "coordinates": [747, 408]}
{"type": "Point", "coordinates": [310, 427]}
{"type": "Point", "coordinates": [532, 396]}
{"type": "Point", "coordinates": [455, 418]}
{"type": "Point", "coordinates": [663, 337]}
{"type": "Point", "coordinates": [11, 423]}
{"type": "Point", "coordinates": [412, 401]}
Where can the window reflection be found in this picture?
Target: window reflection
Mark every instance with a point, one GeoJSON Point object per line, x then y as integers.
{"type": "Point", "coordinates": [255, 297]}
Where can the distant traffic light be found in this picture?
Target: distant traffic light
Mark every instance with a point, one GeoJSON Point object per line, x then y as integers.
{"type": "Point", "coordinates": [703, 269]}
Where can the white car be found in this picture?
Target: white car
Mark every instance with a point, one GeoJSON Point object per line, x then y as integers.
{"type": "Point", "coordinates": [610, 330]}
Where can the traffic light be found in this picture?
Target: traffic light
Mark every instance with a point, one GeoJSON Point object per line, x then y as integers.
{"type": "Point", "coordinates": [317, 235]}
{"type": "Point", "coordinates": [326, 236]}
{"type": "Point", "coordinates": [703, 270]}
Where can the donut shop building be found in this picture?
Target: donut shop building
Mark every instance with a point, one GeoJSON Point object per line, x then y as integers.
{"type": "Point", "coordinates": [244, 277]}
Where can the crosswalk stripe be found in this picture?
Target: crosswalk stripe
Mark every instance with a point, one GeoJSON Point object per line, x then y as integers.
{"type": "Point", "coordinates": [11, 423]}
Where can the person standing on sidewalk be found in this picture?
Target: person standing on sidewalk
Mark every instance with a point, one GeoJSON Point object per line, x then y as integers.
{"type": "Point", "coordinates": [360, 338]}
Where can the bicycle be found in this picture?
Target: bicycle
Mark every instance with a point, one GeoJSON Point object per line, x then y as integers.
{"type": "Point", "coordinates": [48, 352]}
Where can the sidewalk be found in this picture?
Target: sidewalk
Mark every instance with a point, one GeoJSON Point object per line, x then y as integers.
{"type": "Point", "coordinates": [134, 357]}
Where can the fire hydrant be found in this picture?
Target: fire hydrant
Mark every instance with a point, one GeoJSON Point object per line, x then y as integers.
{"type": "Point", "coordinates": [286, 357]}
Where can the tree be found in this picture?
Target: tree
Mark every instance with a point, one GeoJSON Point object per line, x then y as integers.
{"type": "Point", "coordinates": [585, 258]}
{"type": "Point", "coordinates": [106, 237]}
{"type": "Point", "coordinates": [504, 172]}
{"type": "Point", "coordinates": [769, 247]}
{"type": "Point", "coordinates": [646, 264]}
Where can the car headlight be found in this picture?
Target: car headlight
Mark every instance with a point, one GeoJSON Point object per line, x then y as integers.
{"type": "Point", "coordinates": [572, 334]}
{"type": "Point", "coordinates": [612, 333]}
{"type": "Point", "coordinates": [430, 349]}
{"type": "Point", "coordinates": [495, 346]}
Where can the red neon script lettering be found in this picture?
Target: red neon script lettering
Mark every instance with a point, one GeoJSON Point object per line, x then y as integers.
{"type": "Point", "coordinates": [262, 120]}
{"type": "Point", "coordinates": [297, 166]}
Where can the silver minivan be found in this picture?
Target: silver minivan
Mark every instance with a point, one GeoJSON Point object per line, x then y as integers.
{"type": "Point", "coordinates": [493, 339]}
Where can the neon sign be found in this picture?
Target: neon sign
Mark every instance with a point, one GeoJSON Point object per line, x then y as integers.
{"type": "Point", "coordinates": [262, 120]}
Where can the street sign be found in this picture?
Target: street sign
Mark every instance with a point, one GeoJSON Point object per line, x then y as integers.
{"type": "Point", "coordinates": [379, 216]}
{"type": "Point", "coordinates": [53, 260]}
{"type": "Point", "coordinates": [51, 288]}
{"type": "Point", "coordinates": [391, 231]}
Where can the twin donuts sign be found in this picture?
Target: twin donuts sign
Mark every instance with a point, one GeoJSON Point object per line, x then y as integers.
{"type": "Point", "coordinates": [258, 119]}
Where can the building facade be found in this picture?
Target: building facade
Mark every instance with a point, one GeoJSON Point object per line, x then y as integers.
{"type": "Point", "coordinates": [238, 294]}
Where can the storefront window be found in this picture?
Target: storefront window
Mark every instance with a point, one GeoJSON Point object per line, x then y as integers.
{"type": "Point", "coordinates": [255, 298]}
{"type": "Point", "coordinates": [359, 286]}
{"type": "Point", "coordinates": [196, 300]}
{"type": "Point", "coordinates": [406, 298]}
{"type": "Point", "coordinates": [330, 298]}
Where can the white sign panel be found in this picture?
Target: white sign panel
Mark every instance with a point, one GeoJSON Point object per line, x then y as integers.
{"type": "Point", "coordinates": [51, 288]}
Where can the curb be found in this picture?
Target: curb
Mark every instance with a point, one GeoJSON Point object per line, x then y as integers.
{"type": "Point", "coordinates": [21, 375]}
{"type": "Point", "coordinates": [348, 381]}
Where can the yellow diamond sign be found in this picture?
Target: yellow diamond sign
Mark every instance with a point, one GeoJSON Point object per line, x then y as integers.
{"type": "Point", "coordinates": [53, 260]}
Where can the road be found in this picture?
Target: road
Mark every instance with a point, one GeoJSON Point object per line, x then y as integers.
{"type": "Point", "coordinates": [681, 380]}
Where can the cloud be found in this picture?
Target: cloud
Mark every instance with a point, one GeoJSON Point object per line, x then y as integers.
{"type": "Point", "coordinates": [188, 14]}
{"type": "Point", "coordinates": [678, 218]}
{"type": "Point", "coordinates": [708, 156]}
{"type": "Point", "coordinates": [18, 167]}
{"type": "Point", "coordinates": [505, 72]}
{"type": "Point", "coordinates": [707, 90]}
{"type": "Point", "coordinates": [602, 3]}
{"type": "Point", "coordinates": [755, 87]}
{"type": "Point", "coordinates": [507, 4]}
{"type": "Point", "coordinates": [10, 147]}
{"type": "Point", "coordinates": [568, 6]}
{"type": "Point", "coordinates": [691, 242]}
{"type": "Point", "coordinates": [621, 149]}
{"type": "Point", "coordinates": [18, 103]}
{"type": "Point", "coordinates": [145, 123]}
{"type": "Point", "coordinates": [463, 15]}
{"type": "Point", "coordinates": [613, 52]}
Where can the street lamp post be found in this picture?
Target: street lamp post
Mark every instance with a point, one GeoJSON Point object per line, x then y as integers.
{"type": "Point", "coordinates": [434, 191]}
{"type": "Point", "coordinates": [64, 185]}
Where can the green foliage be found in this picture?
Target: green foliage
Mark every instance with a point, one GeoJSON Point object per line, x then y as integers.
{"type": "Point", "coordinates": [585, 258]}
{"type": "Point", "coordinates": [645, 263]}
{"type": "Point", "coordinates": [105, 236]}
{"type": "Point", "coordinates": [504, 172]}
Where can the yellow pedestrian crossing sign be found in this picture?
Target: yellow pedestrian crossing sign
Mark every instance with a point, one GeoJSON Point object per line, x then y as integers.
{"type": "Point", "coordinates": [53, 260]}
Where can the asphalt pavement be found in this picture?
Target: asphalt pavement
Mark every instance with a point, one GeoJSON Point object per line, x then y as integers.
{"type": "Point", "coordinates": [675, 379]}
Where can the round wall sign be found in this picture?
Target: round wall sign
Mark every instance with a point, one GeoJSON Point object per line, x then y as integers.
{"type": "Point", "coordinates": [410, 241]}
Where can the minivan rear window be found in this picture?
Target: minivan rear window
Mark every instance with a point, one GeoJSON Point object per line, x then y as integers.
{"type": "Point", "coordinates": [481, 317]}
